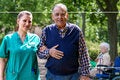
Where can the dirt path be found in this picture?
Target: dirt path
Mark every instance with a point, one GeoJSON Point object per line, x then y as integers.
{"type": "Point", "coordinates": [41, 64]}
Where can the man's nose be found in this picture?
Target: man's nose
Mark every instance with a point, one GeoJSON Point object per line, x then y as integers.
{"type": "Point", "coordinates": [60, 16]}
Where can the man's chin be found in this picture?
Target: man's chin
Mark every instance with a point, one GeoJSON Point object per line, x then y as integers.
{"type": "Point", "coordinates": [61, 25]}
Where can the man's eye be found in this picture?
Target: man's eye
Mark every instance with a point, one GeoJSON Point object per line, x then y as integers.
{"type": "Point", "coordinates": [30, 21]}
{"type": "Point", "coordinates": [62, 14]}
{"type": "Point", "coordinates": [56, 14]}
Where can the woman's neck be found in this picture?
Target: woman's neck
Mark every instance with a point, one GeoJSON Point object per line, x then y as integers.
{"type": "Point", "coordinates": [22, 35]}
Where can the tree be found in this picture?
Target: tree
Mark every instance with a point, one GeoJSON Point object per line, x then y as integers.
{"type": "Point", "coordinates": [109, 8]}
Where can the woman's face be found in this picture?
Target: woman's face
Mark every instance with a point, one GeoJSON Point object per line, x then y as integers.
{"type": "Point", "coordinates": [103, 49]}
{"type": "Point", "coordinates": [24, 22]}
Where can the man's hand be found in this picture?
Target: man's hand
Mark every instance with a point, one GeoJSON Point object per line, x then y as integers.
{"type": "Point", "coordinates": [84, 78]}
{"type": "Point", "coordinates": [56, 53]}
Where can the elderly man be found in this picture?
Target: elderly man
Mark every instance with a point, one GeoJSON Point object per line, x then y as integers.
{"type": "Point", "coordinates": [64, 46]}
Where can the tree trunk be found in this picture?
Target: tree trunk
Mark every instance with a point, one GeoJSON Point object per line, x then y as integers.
{"type": "Point", "coordinates": [111, 6]}
{"type": "Point", "coordinates": [112, 30]}
{"type": "Point", "coordinates": [83, 23]}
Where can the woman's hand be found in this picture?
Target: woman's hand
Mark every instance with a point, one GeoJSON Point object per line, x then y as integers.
{"type": "Point", "coordinates": [1, 78]}
{"type": "Point", "coordinates": [2, 67]}
{"type": "Point", "coordinates": [84, 78]}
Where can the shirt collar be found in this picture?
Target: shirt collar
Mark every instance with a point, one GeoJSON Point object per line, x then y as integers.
{"type": "Point", "coordinates": [63, 30]}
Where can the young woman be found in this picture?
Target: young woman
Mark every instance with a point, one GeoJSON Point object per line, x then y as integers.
{"type": "Point", "coordinates": [18, 51]}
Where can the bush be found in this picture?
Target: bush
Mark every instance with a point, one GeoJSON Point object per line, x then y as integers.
{"type": "Point", "coordinates": [93, 49]}
{"type": "Point", "coordinates": [118, 49]}
{"type": "Point", "coordinates": [1, 37]}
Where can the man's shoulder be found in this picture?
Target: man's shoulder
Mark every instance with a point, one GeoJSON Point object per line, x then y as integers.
{"type": "Point", "coordinates": [73, 26]}
{"type": "Point", "coordinates": [49, 27]}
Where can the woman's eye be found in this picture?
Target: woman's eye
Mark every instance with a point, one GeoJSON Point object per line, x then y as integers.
{"type": "Point", "coordinates": [24, 20]}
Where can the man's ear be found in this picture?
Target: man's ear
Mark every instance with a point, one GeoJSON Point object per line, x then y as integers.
{"type": "Point", "coordinates": [52, 16]}
{"type": "Point", "coordinates": [66, 16]}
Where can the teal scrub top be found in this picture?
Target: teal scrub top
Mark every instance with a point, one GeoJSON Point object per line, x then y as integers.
{"type": "Point", "coordinates": [22, 59]}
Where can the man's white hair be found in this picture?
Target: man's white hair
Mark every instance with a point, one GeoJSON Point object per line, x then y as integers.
{"type": "Point", "coordinates": [62, 6]}
{"type": "Point", "coordinates": [105, 45]}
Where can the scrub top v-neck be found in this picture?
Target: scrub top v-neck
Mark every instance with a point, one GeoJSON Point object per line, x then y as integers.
{"type": "Point", "coordinates": [22, 60]}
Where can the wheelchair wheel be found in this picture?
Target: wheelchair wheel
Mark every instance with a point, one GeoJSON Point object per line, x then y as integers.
{"type": "Point", "coordinates": [116, 78]}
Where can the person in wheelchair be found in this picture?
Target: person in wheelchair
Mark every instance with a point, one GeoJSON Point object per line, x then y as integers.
{"type": "Point", "coordinates": [112, 72]}
{"type": "Point", "coordinates": [117, 64]}
{"type": "Point", "coordinates": [102, 59]}
{"type": "Point", "coordinates": [115, 75]}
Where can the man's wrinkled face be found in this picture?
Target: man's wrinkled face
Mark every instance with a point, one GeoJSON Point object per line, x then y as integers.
{"type": "Point", "coordinates": [60, 17]}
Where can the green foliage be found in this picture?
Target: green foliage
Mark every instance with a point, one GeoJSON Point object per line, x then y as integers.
{"type": "Point", "coordinates": [93, 49]}
{"type": "Point", "coordinates": [119, 50]}
{"type": "Point", "coordinates": [1, 37]}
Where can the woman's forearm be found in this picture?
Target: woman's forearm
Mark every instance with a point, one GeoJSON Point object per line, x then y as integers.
{"type": "Point", "coordinates": [2, 67]}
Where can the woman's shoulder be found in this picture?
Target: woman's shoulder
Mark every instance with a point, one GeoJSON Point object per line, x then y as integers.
{"type": "Point", "coordinates": [33, 35]}
{"type": "Point", "coordinates": [10, 35]}
{"type": "Point", "coordinates": [34, 38]}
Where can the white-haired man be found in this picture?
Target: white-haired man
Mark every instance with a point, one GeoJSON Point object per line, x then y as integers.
{"type": "Point", "coordinates": [65, 48]}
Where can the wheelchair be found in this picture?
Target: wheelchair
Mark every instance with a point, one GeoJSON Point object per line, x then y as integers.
{"type": "Point", "coordinates": [109, 72]}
